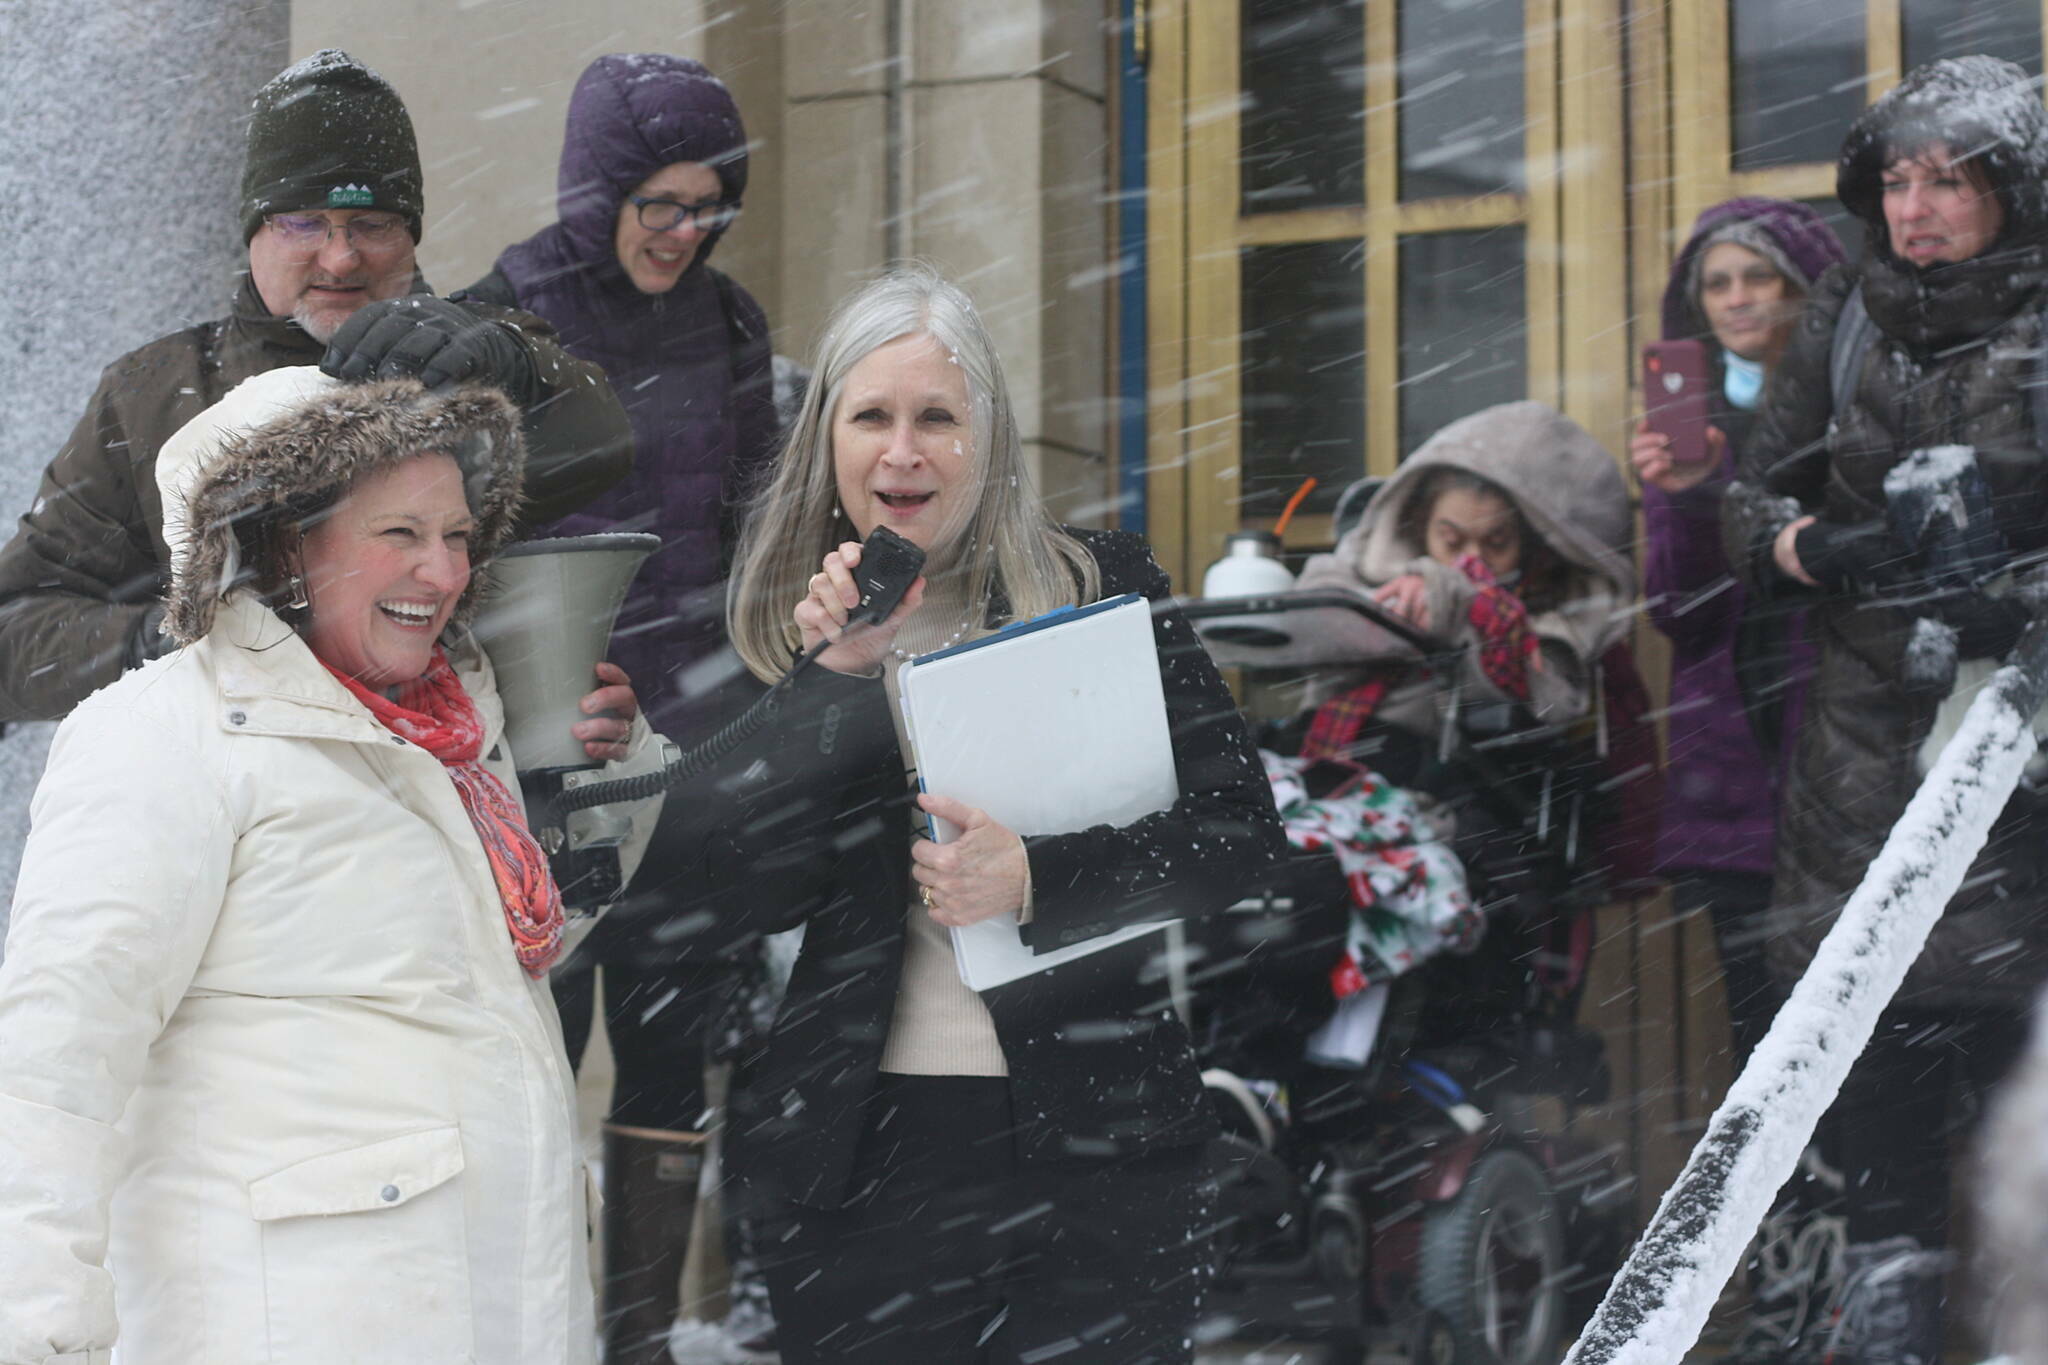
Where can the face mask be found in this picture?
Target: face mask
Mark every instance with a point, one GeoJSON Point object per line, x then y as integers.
{"type": "Point", "coordinates": [1742, 381]}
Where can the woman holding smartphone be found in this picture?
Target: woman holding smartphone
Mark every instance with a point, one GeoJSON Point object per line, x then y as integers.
{"type": "Point", "coordinates": [1737, 289]}
{"type": "Point", "coordinates": [1735, 294]}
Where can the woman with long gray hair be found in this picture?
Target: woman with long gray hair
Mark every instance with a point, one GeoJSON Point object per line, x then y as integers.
{"type": "Point", "coordinates": [940, 1172]}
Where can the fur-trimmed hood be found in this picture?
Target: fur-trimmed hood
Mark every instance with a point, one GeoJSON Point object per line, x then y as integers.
{"type": "Point", "coordinates": [292, 442]}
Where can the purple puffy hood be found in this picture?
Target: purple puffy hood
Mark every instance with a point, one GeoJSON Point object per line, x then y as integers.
{"type": "Point", "coordinates": [1784, 232]}
{"type": "Point", "coordinates": [631, 114]}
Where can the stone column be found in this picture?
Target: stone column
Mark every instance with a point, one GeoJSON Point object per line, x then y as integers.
{"type": "Point", "coordinates": [118, 185]}
{"type": "Point", "coordinates": [840, 164]}
{"type": "Point", "coordinates": [1009, 162]}
{"type": "Point", "coordinates": [980, 140]}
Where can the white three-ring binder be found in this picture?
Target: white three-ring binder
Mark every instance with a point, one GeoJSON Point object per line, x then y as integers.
{"type": "Point", "coordinates": [1052, 726]}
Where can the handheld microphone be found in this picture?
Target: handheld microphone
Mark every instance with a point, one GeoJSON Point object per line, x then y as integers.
{"type": "Point", "coordinates": [889, 564]}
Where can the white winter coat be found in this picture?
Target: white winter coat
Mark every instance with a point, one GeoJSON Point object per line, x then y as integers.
{"type": "Point", "coordinates": [272, 1083]}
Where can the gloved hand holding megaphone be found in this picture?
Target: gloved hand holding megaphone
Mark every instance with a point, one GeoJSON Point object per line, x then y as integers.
{"type": "Point", "coordinates": [548, 619]}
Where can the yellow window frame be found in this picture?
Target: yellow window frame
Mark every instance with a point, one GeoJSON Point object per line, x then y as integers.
{"type": "Point", "coordinates": [1571, 213]}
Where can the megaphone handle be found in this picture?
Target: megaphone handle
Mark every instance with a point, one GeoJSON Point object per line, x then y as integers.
{"type": "Point", "coordinates": [889, 565]}
{"type": "Point", "coordinates": [694, 761]}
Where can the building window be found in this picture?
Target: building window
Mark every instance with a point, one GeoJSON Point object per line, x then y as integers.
{"type": "Point", "coordinates": [1462, 109]}
{"type": "Point", "coordinates": [1957, 28]}
{"type": "Point", "coordinates": [1464, 327]}
{"type": "Point", "coordinates": [1301, 372]}
{"type": "Point", "coordinates": [1302, 80]}
{"type": "Point", "coordinates": [1796, 80]}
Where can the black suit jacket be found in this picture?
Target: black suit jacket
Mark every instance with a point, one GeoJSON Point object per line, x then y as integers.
{"type": "Point", "coordinates": [809, 822]}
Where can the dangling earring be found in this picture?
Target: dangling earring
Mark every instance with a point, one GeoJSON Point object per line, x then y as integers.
{"type": "Point", "coordinates": [837, 515]}
{"type": "Point", "coordinates": [297, 585]}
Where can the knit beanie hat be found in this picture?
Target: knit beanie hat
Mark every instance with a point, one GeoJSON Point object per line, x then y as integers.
{"type": "Point", "coordinates": [330, 133]}
{"type": "Point", "coordinates": [1791, 236]}
{"type": "Point", "coordinates": [1751, 236]}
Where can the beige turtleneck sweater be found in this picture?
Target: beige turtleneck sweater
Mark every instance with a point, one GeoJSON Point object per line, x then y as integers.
{"type": "Point", "coordinates": [940, 1027]}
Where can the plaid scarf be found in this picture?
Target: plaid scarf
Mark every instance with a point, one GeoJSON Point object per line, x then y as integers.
{"type": "Point", "coordinates": [1507, 649]}
{"type": "Point", "coordinates": [435, 713]}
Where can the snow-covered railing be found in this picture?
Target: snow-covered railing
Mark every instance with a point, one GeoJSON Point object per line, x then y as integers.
{"type": "Point", "coordinates": [1659, 1301]}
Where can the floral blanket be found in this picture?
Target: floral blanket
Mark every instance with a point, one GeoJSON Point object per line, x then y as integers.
{"type": "Point", "coordinates": [1408, 892]}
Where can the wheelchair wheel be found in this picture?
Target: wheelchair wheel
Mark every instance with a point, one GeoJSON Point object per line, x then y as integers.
{"type": "Point", "coordinates": [1492, 1266]}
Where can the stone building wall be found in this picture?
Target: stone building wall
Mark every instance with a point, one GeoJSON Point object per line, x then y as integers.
{"type": "Point", "coordinates": [119, 174]}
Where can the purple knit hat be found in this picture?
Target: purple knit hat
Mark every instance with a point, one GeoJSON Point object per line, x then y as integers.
{"type": "Point", "coordinates": [631, 114]}
{"type": "Point", "coordinates": [1786, 233]}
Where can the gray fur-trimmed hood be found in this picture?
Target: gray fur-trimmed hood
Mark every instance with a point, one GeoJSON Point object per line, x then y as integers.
{"type": "Point", "coordinates": [293, 440]}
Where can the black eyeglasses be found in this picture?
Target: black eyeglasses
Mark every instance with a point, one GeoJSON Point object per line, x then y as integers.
{"type": "Point", "coordinates": [663, 215]}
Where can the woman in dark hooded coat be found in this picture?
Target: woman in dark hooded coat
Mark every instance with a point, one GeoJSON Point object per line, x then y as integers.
{"type": "Point", "coordinates": [1950, 173]}
{"type": "Point", "coordinates": [654, 164]}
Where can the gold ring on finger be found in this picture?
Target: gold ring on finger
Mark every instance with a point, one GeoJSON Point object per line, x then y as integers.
{"type": "Point", "coordinates": [924, 893]}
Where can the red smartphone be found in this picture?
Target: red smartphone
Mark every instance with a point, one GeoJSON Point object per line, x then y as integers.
{"type": "Point", "coordinates": [1676, 380]}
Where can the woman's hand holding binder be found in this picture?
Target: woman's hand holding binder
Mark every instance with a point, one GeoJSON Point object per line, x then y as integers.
{"type": "Point", "coordinates": [981, 874]}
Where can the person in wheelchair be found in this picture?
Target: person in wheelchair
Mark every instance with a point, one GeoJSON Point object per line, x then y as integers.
{"type": "Point", "coordinates": [1457, 784]}
{"type": "Point", "coordinates": [1509, 710]}
{"type": "Point", "coordinates": [1505, 541]}
{"type": "Point", "coordinates": [1507, 534]}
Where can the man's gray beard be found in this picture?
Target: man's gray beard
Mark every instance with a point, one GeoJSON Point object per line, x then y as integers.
{"type": "Point", "coordinates": [322, 330]}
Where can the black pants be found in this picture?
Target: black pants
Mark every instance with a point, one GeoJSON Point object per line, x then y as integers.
{"type": "Point", "coordinates": [951, 1251]}
{"type": "Point", "coordinates": [1919, 1085]}
{"type": "Point", "coordinates": [657, 1019]}
{"type": "Point", "coordinates": [1738, 904]}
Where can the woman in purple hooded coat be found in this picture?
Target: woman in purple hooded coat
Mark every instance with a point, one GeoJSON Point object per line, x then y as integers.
{"type": "Point", "coordinates": [654, 162]}
{"type": "Point", "coordinates": [1738, 285]}
{"type": "Point", "coordinates": [1737, 675]}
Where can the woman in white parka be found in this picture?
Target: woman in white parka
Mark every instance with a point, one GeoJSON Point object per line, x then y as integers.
{"type": "Point", "coordinates": [279, 1075]}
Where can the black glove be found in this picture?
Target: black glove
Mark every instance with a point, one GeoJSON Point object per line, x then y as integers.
{"type": "Point", "coordinates": [1858, 557]}
{"type": "Point", "coordinates": [432, 340]}
{"type": "Point", "coordinates": [1986, 627]}
{"type": "Point", "coordinates": [147, 640]}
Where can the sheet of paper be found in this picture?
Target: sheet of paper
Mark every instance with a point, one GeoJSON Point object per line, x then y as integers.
{"type": "Point", "coordinates": [1347, 1036]}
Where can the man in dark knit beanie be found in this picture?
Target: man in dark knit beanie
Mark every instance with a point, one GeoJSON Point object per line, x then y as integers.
{"type": "Point", "coordinates": [332, 211]}
{"type": "Point", "coordinates": [331, 198]}
{"type": "Point", "coordinates": [330, 133]}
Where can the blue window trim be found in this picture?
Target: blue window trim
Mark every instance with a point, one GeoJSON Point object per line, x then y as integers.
{"type": "Point", "coordinates": [1131, 331]}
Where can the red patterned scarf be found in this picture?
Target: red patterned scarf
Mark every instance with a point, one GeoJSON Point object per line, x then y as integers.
{"type": "Point", "coordinates": [435, 713]}
{"type": "Point", "coordinates": [1507, 650]}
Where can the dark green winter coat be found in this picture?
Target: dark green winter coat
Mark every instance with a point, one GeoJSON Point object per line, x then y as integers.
{"type": "Point", "coordinates": [1955, 347]}
{"type": "Point", "coordinates": [88, 561]}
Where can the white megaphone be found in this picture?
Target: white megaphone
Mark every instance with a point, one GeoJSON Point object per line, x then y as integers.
{"type": "Point", "coordinates": [545, 623]}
